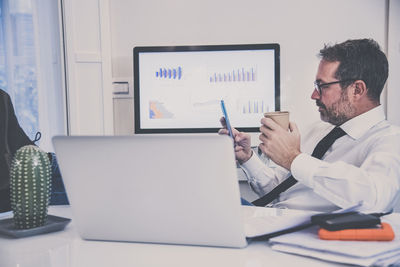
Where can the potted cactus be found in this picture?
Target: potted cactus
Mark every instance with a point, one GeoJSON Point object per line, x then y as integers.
{"type": "Point", "coordinates": [30, 181]}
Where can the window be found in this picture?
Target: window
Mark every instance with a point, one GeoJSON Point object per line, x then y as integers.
{"type": "Point", "coordinates": [31, 66]}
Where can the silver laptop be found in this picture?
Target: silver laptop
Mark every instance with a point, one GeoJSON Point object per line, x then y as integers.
{"type": "Point", "coordinates": [176, 189]}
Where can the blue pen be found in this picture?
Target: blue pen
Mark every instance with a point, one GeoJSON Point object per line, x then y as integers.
{"type": "Point", "coordinates": [228, 124]}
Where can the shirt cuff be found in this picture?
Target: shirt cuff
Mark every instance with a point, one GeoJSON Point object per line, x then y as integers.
{"type": "Point", "coordinates": [253, 166]}
{"type": "Point", "coordinates": [303, 169]}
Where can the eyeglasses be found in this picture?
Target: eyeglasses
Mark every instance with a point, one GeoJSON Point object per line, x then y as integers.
{"type": "Point", "coordinates": [318, 86]}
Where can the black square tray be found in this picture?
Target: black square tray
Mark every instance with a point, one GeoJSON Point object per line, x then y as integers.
{"type": "Point", "coordinates": [53, 224]}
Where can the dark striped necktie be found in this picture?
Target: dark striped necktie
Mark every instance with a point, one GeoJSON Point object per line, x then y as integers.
{"type": "Point", "coordinates": [319, 152]}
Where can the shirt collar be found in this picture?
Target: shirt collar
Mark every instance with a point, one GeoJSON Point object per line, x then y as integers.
{"type": "Point", "coordinates": [360, 124]}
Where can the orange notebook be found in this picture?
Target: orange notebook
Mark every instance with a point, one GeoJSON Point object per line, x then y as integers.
{"type": "Point", "coordinates": [384, 233]}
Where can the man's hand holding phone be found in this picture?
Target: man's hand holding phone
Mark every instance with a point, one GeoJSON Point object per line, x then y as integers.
{"type": "Point", "coordinates": [242, 141]}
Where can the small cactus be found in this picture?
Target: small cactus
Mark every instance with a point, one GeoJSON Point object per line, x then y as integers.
{"type": "Point", "coordinates": [30, 181]}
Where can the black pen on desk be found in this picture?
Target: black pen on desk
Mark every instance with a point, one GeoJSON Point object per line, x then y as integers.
{"type": "Point", "coordinates": [284, 231]}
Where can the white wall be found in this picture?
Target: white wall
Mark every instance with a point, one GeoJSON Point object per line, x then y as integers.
{"type": "Point", "coordinates": [301, 28]}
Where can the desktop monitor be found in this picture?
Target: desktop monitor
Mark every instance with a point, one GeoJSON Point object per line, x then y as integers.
{"type": "Point", "coordinates": [178, 89]}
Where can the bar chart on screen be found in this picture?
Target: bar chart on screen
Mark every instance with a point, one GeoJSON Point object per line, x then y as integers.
{"type": "Point", "coordinates": [240, 74]}
{"type": "Point", "coordinates": [169, 73]}
{"type": "Point", "coordinates": [253, 106]}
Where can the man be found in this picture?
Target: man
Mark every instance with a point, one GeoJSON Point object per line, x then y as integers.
{"type": "Point", "coordinates": [362, 165]}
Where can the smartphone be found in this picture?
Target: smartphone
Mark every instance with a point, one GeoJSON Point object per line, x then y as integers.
{"type": "Point", "coordinates": [349, 221]}
{"type": "Point", "coordinates": [228, 124]}
{"type": "Point", "coordinates": [321, 218]}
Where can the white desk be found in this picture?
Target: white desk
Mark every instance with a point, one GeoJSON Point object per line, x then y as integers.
{"type": "Point", "coordinates": [67, 249]}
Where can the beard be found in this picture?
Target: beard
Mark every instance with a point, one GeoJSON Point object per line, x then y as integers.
{"type": "Point", "coordinates": [339, 112]}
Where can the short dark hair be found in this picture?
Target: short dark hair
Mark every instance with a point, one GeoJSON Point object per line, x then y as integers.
{"type": "Point", "coordinates": [360, 59]}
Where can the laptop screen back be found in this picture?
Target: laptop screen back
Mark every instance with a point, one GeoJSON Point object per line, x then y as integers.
{"type": "Point", "coordinates": [179, 189]}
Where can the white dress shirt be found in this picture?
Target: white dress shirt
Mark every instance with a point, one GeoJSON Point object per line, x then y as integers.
{"type": "Point", "coordinates": [363, 165]}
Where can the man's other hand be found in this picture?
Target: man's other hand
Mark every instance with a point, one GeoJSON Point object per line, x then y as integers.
{"type": "Point", "coordinates": [279, 145]}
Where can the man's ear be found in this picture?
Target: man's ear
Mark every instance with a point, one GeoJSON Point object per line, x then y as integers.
{"type": "Point", "coordinates": [360, 89]}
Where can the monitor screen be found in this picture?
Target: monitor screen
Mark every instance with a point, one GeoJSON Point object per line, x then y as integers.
{"type": "Point", "coordinates": [178, 89]}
